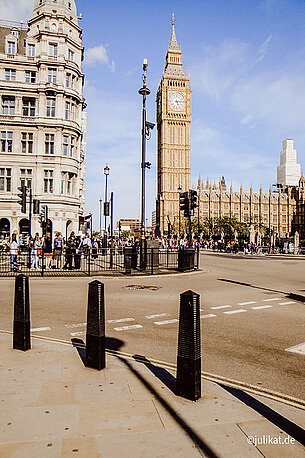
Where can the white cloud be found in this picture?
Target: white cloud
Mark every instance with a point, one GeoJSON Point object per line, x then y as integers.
{"type": "Point", "coordinates": [16, 10]}
{"type": "Point", "coordinates": [263, 49]}
{"type": "Point", "coordinates": [98, 55]}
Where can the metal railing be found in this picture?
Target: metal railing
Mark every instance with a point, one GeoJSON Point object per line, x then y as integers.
{"type": "Point", "coordinates": [89, 262]}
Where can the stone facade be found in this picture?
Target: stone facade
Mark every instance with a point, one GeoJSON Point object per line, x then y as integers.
{"type": "Point", "coordinates": [174, 137]}
{"type": "Point", "coordinates": [42, 122]}
{"type": "Point", "coordinates": [272, 210]}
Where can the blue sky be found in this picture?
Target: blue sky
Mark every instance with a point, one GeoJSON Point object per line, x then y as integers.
{"type": "Point", "coordinates": [247, 66]}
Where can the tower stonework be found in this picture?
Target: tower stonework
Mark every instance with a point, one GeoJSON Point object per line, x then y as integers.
{"type": "Point", "coordinates": [289, 171]}
{"type": "Point", "coordinates": [174, 137]}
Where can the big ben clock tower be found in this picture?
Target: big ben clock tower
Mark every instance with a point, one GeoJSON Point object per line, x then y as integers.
{"type": "Point", "coordinates": [174, 125]}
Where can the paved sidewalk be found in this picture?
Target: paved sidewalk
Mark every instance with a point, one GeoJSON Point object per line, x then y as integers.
{"type": "Point", "coordinates": [52, 406]}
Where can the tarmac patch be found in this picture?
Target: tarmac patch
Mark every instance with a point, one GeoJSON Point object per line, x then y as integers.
{"type": "Point", "coordinates": [141, 287]}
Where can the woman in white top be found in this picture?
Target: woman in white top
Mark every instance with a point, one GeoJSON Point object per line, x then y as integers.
{"type": "Point", "coordinates": [13, 253]}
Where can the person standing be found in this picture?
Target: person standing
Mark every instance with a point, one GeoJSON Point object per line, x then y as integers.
{"type": "Point", "coordinates": [58, 245]}
{"type": "Point", "coordinates": [36, 251]}
{"type": "Point", "coordinates": [14, 253]}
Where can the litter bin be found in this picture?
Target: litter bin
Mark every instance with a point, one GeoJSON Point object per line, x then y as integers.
{"type": "Point", "coordinates": [186, 259]}
{"type": "Point", "coordinates": [133, 253]}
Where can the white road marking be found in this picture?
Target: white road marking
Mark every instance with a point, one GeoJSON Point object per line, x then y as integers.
{"type": "Point", "coordinates": [160, 323]}
{"type": "Point", "coordinates": [273, 299]}
{"type": "Point", "coordinates": [149, 317]}
{"type": "Point", "coordinates": [122, 320]}
{"type": "Point", "coordinates": [125, 328]}
{"type": "Point", "coordinates": [286, 303]}
{"type": "Point", "coordinates": [78, 325]}
{"type": "Point", "coordinates": [297, 349]}
{"type": "Point", "coordinates": [236, 311]}
{"type": "Point", "coordinates": [247, 303]}
{"type": "Point", "coordinates": [40, 329]}
{"type": "Point", "coordinates": [262, 307]}
{"type": "Point", "coordinates": [210, 315]}
{"type": "Point", "coordinates": [221, 307]}
{"type": "Point", "coordinates": [80, 333]}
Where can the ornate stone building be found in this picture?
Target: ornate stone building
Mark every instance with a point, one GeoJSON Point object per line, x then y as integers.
{"type": "Point", "coordinates": [281, 210]}
{"type": "Point", "coordinates": [174, 139]}
{"type": "Point", "coordinates": [42, 122]}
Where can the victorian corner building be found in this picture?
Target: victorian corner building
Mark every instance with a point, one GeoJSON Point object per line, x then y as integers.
{"type": "Point", "coordinates": [279, 210]}
{"type": "Point", "coordinates": [42, 122]}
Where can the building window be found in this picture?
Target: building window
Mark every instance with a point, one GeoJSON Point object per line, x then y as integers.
{"type": "Point", "coordinates": [10, 74]}
{"type": "Point", "coordinates": [65, 145]}
{"type": "Point", "coordinates": [52, 75]}
{"type": "Point", "coordinates": [69, 183]}
{"type": "Point", "coordinates": [6, 142]}
{"type": "Point", "coordinates": [72, 148]}
{"type": "Point", "coordinates": [62, 184]}
{"type": "Point", "coordinates": [49, 143]}
{"type": "Point", "coordinates": [26, 178]}
{"type": "Point", "coordinates": [68, 80]}
{"type": "Point", "coordinates": [8, 105]}
{"type": "Point", "coordinates": [31, 50]}
{"type": "Point", "coordinates": [30, 77]}
{"type": "Point", "coordinates": [27, 142]}
{"type": "Point", "coordinates": [70, 55]}
{"type": "Point", "coordinates": [11, 47]}
{"type": "Point", "coordinates": [28, 106]}
{"type": "Point", "coordinates": [48, 181]}
{"type": "Point", "coordinates": [53, 49]}
{"type": "Point", "coordinates": [67, 112]}
{"type": "Point", "coordinates": [51, 103]}
{"type": "Point", "coordinates": [5, 180]}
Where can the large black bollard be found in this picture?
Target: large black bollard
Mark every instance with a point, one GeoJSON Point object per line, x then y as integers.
{"type": "Point", "coordinates": [22, 323]}
{"type": "Point", "coordinates": [188, 384]}
{"type": "Point", "coordinates": [95, 338]}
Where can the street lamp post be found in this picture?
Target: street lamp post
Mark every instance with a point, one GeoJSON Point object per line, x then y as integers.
{"type": "Point", "coordinates": [100, 201]}
{"type": "Point", "coordinates": [179, 189]}
{"type": "Point", "coordinates": [146, 126]}
{"type": "Point", "coordinates": [106, 204]}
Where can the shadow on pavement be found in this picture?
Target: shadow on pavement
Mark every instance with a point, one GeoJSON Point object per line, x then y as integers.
{"type": "Point", "coordinates": [162, 374]}
{"type": "Point", "coordinates": [111, 344]}
{"type": "Point", "coordinates": [252, 286]}
{"type": "Point", "coordinates": [274, 417]}
{"type": "Point", "coordinates": [200, 444]}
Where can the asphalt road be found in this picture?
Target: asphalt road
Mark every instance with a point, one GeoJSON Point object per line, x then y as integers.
{"type": "Point", "coordinates": [246, 329]}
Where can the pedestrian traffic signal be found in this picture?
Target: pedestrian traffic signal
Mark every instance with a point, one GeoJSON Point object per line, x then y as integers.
{"type": "Point", "coordinates": [193, 199]}
{"type": "Point", "coordinates": [22, 196]}
{"type": "Point", "coordinates": [36, 206]}
{"type": "Point", "coordinates": [184, 203]}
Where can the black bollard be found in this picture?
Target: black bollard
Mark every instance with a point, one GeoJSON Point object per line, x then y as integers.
{"type": "Point", "coordinates": [22, 323]}
{"type": "Point", "coordinates": [188, 384]}
{"type": "Point", "coordinates": [95, 338]}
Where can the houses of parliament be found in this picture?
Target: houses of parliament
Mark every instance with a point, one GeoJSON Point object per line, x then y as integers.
{"type": "Point", "coordinates": [280, 210]}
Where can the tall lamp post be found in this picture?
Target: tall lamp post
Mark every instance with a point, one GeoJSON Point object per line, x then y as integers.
{"type": "Point", "coordinates": [179, 190]}
{"type": "Point", "coordinates": [146, 127]}
{"type": "Point", "coordinates": [106, 203]}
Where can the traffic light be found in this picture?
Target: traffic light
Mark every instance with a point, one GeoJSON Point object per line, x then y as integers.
{"type": "Point", "coordinates": [193, 199]}
{"type": "Point", "coordinates": [106, 208]}
{"type": "Point", "coordinates": [36, 206]}
{"type": "Point", "coordinates": [184, 203]}
{"type": "Point", "coordinates": [22, 196]}
{"type": "Point", "coordinates": [43, 214]}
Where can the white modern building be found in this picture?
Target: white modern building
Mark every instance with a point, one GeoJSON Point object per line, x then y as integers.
{"type": "Point", "coordinates": [42, 122]}
{"type": "Point", "coordinates": [289, 171]}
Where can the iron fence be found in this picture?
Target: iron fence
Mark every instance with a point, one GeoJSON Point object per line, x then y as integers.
{"type": "Point", "coordinates": [88, 263]}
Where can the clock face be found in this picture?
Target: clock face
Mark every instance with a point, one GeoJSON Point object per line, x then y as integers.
{"type": "Point", "coordinates": [176, 101]}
